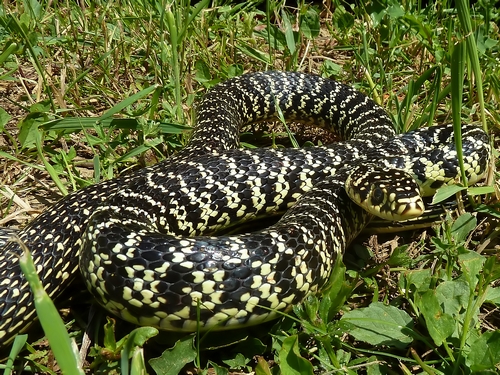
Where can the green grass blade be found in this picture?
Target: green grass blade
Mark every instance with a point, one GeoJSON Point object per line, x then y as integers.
{"type": "Point", "coordinates": [85, 72]}
{"type": "Point", "coordinates": [435, 100]}
{"type": "Point", "coordinates": [75, 124]}
{"type": "Point", "coordinates": [48, 167]}
{"type": "Point", "coordinates": [97, 169]}
{"type": "Point", "coordinates": [457, 76]}
{"type": "Point", "coordinates": [195, 10]}
{"type": "Point", "coordinates": [139, 150]}
{"type": "Point", "coordinates": [62, 346]}
{"type": "Point", "coordinates": [17, 346]}
{"type": "Point", "coordinates": [8, 50]}
{"type": "Point", "coordinates": [17, 160]}
{"type": "Point", "coordinates": [22, 31]}
{"type": "Point", "coordinates": [172, 27]}
{"type": "Point", "coordinates": [127, 102]}
{"type": "Point", "coordinates": [463, 7]}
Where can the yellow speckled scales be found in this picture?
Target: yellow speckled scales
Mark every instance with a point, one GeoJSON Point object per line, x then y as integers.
{"type": "Point", "coordinates": [147, 243]}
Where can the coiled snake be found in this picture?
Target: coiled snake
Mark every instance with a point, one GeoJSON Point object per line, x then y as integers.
{"type": "Point", "coordinates": [146, 242]}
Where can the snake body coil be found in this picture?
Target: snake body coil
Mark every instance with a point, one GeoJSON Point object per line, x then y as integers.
{"type": "Point", "coordinates": [146, 241]}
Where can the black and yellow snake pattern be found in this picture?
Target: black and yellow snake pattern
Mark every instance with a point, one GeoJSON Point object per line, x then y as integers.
{"type": "Point", "coordinates": [147, 244]}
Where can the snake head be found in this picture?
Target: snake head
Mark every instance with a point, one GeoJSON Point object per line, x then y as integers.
{"type": "Point", "coordinates": [389, 193]}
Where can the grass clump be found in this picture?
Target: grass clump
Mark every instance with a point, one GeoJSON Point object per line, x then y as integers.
{"type": "Point", "coordinates": [91, 91]}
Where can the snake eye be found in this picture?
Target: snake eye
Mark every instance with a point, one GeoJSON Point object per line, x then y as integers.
{"type": "Point", "coordinates": [377, 196]}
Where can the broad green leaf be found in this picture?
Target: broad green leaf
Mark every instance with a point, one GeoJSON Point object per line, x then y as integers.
{"type": "Point", "coordinates": [291, 362]}
{"type": "Point", "coordinates": [331, 69]}
{"type": "Point", "coordinates": [442, 247]}
{"type": "Point", "coordinates": [471, 264]}
{"type": "Point", "coordinates": [237, 362]}
{"type": "Point", "coordinates": [485, 352]}
{"type": "Point", "coordinates": [343, 357]}
{"type": "Point", "coordinates": [377, 12]}
{"type": "Point", "coordinates": [344, 20]}
{"type": "Point", "coordinates": [35, 8]}
{"type": "Point", "coordinates": [308, 310]}
{"type": "Point", "coordinates": [400, 257]}
{"type": "Point", "coordinates": [28, 131]}
{"type": "Point", "coordinates": [109, 335]}
{"type": "Point", "coordinates": [218, 370]}
{"type": "Point", "coordinates": [139, 336]}
{"type": "Point", "coordinates": [174, 359]}
{"type": "Point", "coordinates": [423, 29]}
{"type": "Point", "coordinates": [310, 24]}
{"type": "Point", "coordinates": [493, 295]}
{"type": "Point", "coordinates": [395, 11]}
{"type": "Point", "coordinates": [440, 325]}
{"type": "Point", "coordinates": [462, 227]}
{"type": "Point", "coordinates": [445, 192]}
{"type": "Point", "coordinates": [416, 280]}
{"type": "Point", "coordinates": [262, 367]}
{"type": "Point", "coordinates": [202, 70]}
{"type": "Point", "coordinates": [485, 44]}
{"type": "Point", "coordinates": [453, 296]}
{"type": "Point", "coordinates": [375, 366]}
{"type": "Point", "coordinates": [337, 293]}
{"type": "Point", "coordinates": [4, 118]}
{"type": "Point", "coordinates": [491, 270]}
{"type": "Point", "coordinates": [289, 33]}
{"type": "Point", "coordinates": [379, 324]}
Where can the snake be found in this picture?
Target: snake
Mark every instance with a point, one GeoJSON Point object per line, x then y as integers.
{"type": "Point", "coordinates": [151, 246]}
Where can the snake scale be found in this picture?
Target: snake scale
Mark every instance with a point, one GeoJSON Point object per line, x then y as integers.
{"type": "Point", "coordinates": [147, 244]}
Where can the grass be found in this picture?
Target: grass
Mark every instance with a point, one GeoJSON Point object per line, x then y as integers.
{"type": "Point", "coordinates": [94, 90]}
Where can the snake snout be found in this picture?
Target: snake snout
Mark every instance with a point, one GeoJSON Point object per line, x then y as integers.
{"type": "Point", "coordinates": [388, 193]}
